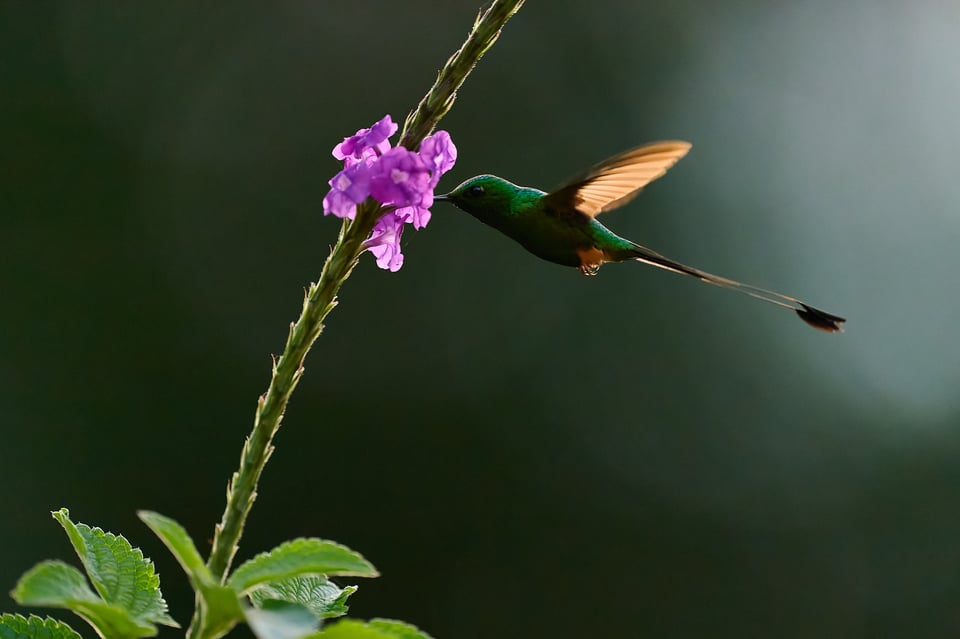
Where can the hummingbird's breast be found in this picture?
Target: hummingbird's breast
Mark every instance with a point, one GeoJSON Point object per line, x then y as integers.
{"type": "Point", "coordinates": [521, 213]}
{"type": "Point", "coordinates": [557, 238]}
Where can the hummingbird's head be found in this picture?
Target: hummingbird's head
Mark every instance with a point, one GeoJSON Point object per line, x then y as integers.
{"type": "Point", "coordinates": [485, 197]}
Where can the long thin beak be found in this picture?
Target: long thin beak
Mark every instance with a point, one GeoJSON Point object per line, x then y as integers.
{"type": "Point", "coordinates": [441, 198]}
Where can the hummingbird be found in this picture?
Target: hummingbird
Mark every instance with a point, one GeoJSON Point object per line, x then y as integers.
{"type": "Point", "coordinates": [562, 227]}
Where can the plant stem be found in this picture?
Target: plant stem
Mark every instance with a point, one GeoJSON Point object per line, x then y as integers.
{"type": "Point", "coordinates": [438, 100]}
{"type": "Point", "coordinates": [321, 297]}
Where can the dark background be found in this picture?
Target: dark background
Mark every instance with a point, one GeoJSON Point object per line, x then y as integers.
{"type": "Point", "coordinates": [520, 450]}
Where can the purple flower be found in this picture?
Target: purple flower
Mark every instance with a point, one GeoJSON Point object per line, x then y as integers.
{"type": "Point", "coordinates": [402, 178]}
{"type": "Point", "coordinates": [439, 153]}
{"type": "Point", "coordinates": [397, 177]}
{"type": "Point", "coordinates": [416, 215]}
{"type": "Point", "coordinates": [349, 187]}
{"type": "Point", "coordinates": [366, 143]}
{"type": "Point", "coordinates": [384, 242]}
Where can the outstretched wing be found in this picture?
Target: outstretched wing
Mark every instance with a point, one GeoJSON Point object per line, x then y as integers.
{"type": "Point", "coordinates": [616, 181]}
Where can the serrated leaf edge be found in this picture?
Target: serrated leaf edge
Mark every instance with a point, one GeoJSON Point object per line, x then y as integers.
{"type": "Point", "coordinates": [263, 557]}
{"type": "Point", "coordinates": [73, 530]}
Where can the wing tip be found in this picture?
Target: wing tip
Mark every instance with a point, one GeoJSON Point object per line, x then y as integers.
{"type": "Point", "coordinates": [821, 320]}
{"type": "Point", "coordinates": [680, 144]}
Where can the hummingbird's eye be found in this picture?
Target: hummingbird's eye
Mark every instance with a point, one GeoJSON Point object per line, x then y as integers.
{"type": "Point", "coordinates": [476, 190]}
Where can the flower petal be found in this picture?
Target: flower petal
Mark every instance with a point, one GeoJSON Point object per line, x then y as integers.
{"type": "Point", "coordinates": [373, 139]}
{"type": "Point", "coordinates": [384, 242]}
{"type": "Point", "coordinates": [401, 178]}
{"type": "Point", "coordinates": [440, 154]}
{"type": "Point", "coordinates": [349, 187]}
{"type": "Point", "coordinates": [419, 216]}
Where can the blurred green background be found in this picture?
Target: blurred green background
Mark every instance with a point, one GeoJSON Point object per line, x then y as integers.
{"type": "Point", "coordinates": [522, 451]}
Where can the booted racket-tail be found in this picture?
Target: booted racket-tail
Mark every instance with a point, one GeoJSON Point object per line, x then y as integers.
{"type": "Point", "coordinates": [561, 226]}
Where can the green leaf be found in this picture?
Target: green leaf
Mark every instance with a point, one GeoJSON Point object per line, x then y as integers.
{"type": "Point", "coordinates": [282, 620]}
{"type": "Point", "coordinates": [112, 621]}
{"type": "Point", "coordinates": [19, 627]}
{"type": "Point", "coordinates": [300, 557]}
{"type": "Point", "coordinates": [398, 629]}
{"type": "Point", "coordinates": [220, 608]}
{"type": "Point", "coordinates": [321, 596]}
{"type": "Point", "coordinates": [58, 585]}
{"type": "Point", "coordinates": [338, 607]}
{"type": "Point", "coordinates": [118, 571]}
{"type": "Point", "coordinates": [52, 583]}
{"type": "Point", "coordinates": [178, 541]}
{"type": "Point", "coordinates": [349, 629]}
{"type": "Point", "coordinates": [375, 629]}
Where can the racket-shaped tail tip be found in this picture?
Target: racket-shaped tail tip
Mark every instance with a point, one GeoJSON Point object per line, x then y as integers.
{"type": "Point", "coordinates": [821, 319]}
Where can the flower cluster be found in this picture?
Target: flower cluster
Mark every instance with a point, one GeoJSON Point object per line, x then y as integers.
{"type": "Point", "coordinates": [403, 180]}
